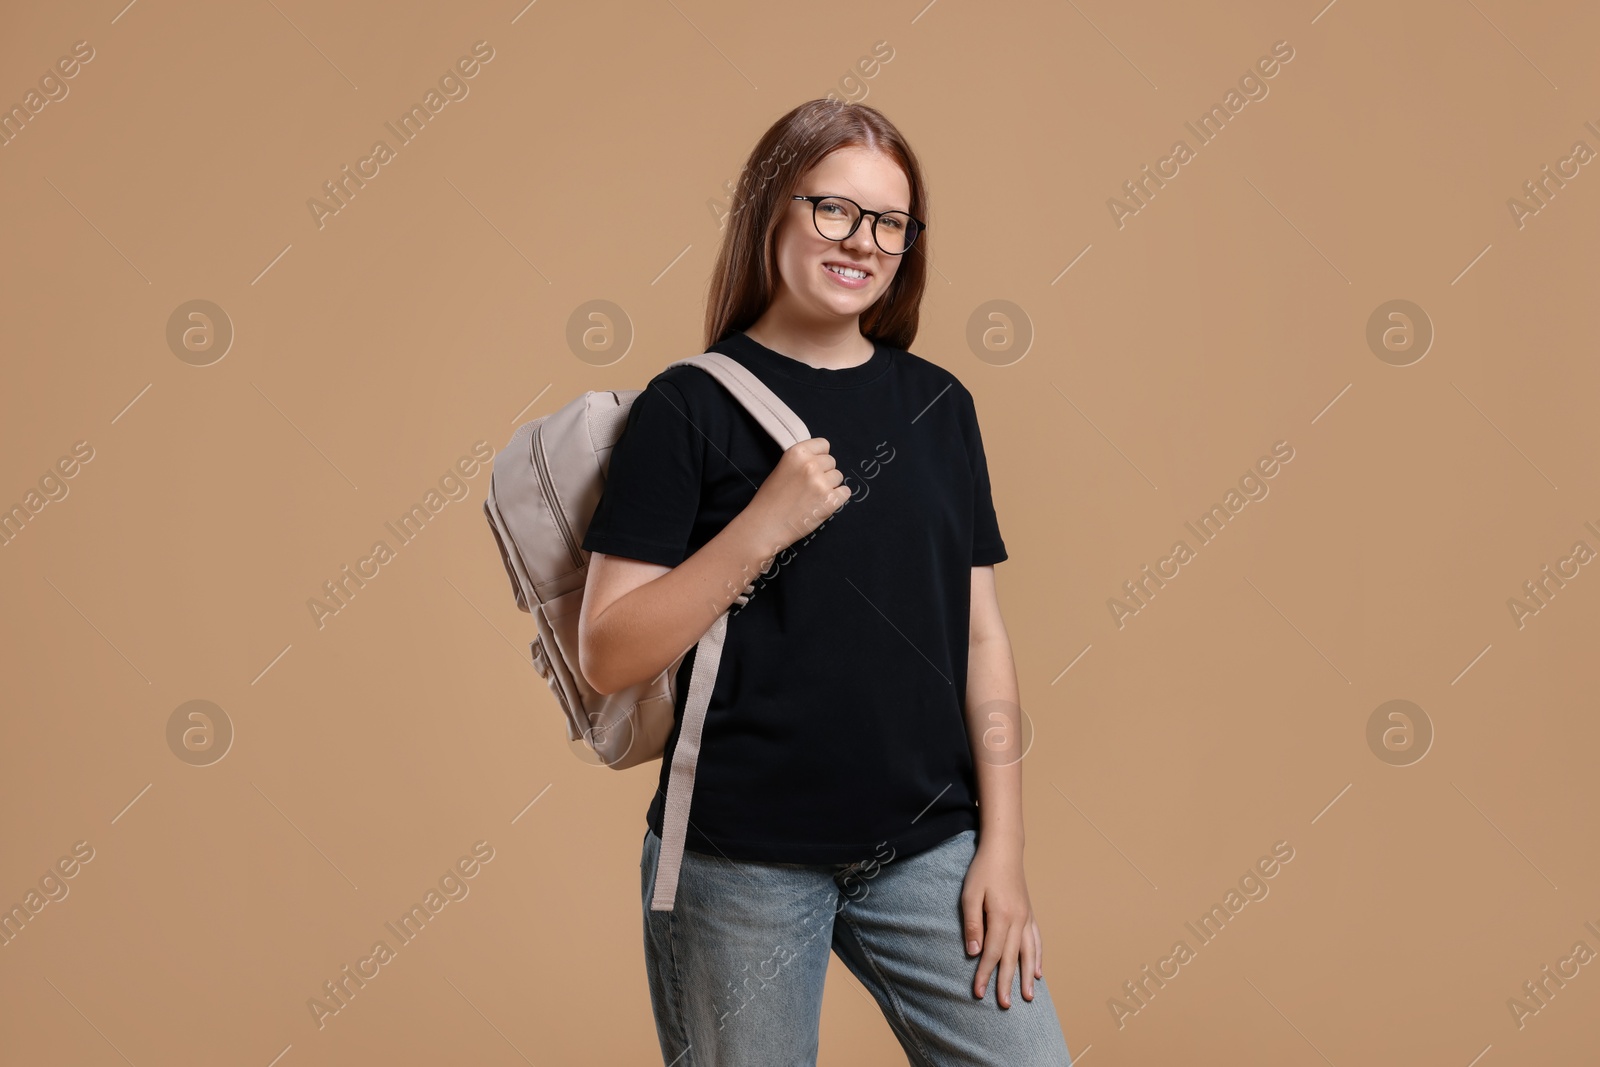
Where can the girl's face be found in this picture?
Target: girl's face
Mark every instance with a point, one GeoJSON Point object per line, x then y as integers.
{"type": "Point", "coordinates": [808, 286]}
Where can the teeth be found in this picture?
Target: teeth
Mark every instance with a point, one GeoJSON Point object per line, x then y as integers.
{"type": "Point", "coordinates": [848, 272]}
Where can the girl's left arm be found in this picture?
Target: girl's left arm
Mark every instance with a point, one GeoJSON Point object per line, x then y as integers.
{"type": "Point", "coordinates": [997, 915]}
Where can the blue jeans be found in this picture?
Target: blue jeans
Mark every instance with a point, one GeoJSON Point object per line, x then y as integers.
{"type": "Point", "coordinates": [736, 970]}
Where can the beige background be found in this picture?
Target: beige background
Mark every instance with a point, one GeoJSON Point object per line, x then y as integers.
{"type": "Point", "coordinates": [588, 163]}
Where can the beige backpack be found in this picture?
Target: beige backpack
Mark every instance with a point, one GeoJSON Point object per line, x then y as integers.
{"type": "Point", "coordinates": [542, 493]}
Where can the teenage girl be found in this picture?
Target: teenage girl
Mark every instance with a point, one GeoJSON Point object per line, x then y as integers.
{"type": "Point", "coordinates": [858, 788]}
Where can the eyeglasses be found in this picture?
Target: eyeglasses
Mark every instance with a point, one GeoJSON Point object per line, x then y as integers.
{"type": "Point", "coordinates": [837, 217]}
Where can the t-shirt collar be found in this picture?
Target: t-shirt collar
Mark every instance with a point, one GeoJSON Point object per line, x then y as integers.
{"type": "Point", "coordinates": [739, 343]}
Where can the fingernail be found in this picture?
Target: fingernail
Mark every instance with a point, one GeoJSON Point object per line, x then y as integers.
{"type": "Point", "coordinates": [972, 947]}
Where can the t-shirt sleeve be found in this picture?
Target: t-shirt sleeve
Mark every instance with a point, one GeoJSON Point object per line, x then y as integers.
{"type": "Point", "coordinates": [652, 491]}
{"type": "Point", "coordinates": [987, 545]}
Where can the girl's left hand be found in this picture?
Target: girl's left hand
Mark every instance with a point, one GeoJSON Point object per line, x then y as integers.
{"type": "Point", "coordinates": [997, 919]}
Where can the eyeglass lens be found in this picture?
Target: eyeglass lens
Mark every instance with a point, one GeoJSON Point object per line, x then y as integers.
{"type": "Point", "coordinates": [836, 218]}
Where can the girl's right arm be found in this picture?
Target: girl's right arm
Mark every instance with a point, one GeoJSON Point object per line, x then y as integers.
{"type": "Point", "coordinates": [638, 617]}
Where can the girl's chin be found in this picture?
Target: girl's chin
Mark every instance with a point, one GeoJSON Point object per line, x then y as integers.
{"type": "Point", "coordinates": [840, 295]}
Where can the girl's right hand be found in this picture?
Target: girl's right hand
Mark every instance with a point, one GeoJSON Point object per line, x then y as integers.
{"type": "Point", "coordinates": [802, 492]}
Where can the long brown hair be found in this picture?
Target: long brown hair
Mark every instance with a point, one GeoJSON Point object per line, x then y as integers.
{"type": "Point", "coordinates": [746, 272]}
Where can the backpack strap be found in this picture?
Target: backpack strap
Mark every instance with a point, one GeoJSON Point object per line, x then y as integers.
{"type": "Point", "coordinates": [787, 429]}
{"type": "Point", "coordinates": [773, 414]}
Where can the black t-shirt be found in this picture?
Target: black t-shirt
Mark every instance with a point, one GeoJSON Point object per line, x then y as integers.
{"type": "Point", "coordinates": [836, 722]}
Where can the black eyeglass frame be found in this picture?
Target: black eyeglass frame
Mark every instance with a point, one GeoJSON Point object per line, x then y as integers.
{"type": "Point", "coordinates": [863, 213]}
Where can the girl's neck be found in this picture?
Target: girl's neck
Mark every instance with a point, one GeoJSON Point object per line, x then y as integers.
{"type": "Point", "coordinates": [839, 348]}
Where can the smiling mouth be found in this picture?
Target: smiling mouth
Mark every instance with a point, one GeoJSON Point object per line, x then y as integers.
{"type": "Point", "coordinates": [840, 268]}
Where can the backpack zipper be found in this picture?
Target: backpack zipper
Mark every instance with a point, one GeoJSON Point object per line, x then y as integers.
{"type": "Point", "coordinates": [543, 468]}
